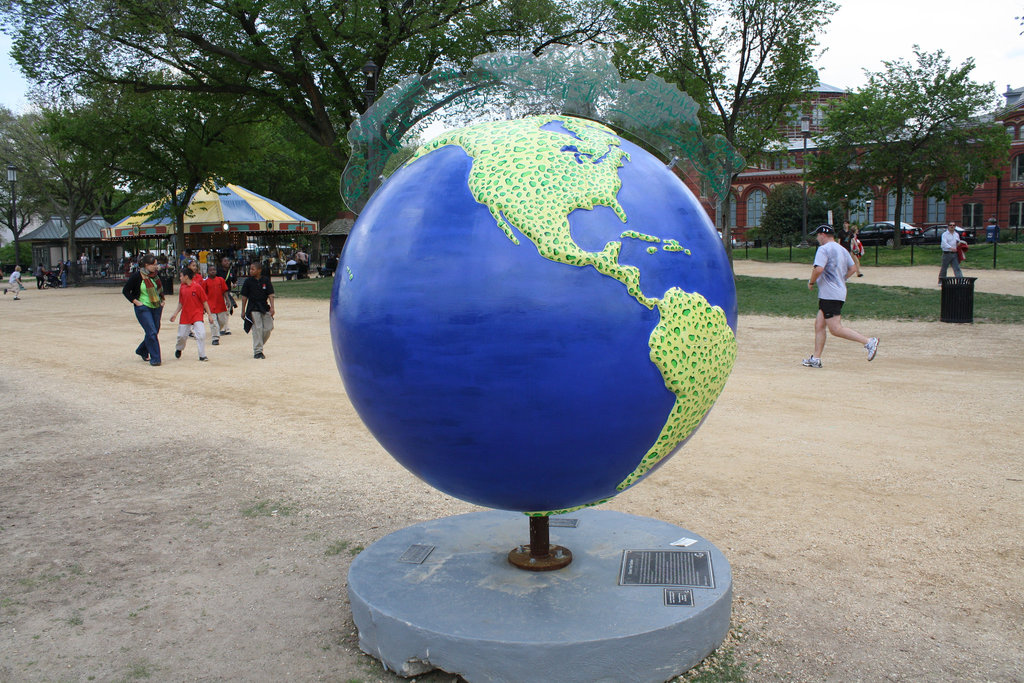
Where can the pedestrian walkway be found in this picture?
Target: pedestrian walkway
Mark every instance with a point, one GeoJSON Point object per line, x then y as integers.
{"type": "Point", "coordinates": [926, 277]}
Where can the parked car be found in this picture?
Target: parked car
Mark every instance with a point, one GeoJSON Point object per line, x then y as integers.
{"type": "Point", "coordinates": [882, 233]}
{"type": "Point", "coordinates": [932, 234]}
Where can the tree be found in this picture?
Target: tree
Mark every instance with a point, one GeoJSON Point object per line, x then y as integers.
{"type": "Point", "coordinates": [299, 57]}
{"type": "Point", "coordinates": [63, 177]}
{"type": "Point", "coordinates": [21, 198]}
{"type": "Point", "coordinates": [164, 145]}
{"type": "Point", "coordinates": [912, 126]}
{"type": "Point", "coordinates": [746, 62]}
{"type": "Point", "coordinates": [784, 213]}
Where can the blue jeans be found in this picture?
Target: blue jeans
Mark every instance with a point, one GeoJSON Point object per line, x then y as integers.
{"type": "Point", "coordinates": [149, 318]}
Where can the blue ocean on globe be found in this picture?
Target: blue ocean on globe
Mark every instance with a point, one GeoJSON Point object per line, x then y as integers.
{"type": "Point", "coordinates": [497, 373]}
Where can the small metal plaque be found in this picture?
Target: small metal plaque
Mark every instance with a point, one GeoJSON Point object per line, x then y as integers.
{"type": "Point", "coordinates": [666, 568]}
{"type": "Point", "coordinates": [678, 597]}
{"type": "Point", "coordinates": [564, 521]}
{"type": "Point", "coordinates": [416, 553]}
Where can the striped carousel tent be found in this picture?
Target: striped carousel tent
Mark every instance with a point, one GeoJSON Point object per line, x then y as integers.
{"type": "Point", "coordinates": [225, 209]}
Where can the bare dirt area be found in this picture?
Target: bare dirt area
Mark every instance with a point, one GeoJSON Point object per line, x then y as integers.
{"type": "Point", "coordinates": [196, 521]}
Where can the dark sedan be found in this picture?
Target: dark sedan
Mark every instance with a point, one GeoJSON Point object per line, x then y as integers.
{"type": "Point", "coordinates": [882, 233]}
{"type": "Point", "coordinates": [932, 234]}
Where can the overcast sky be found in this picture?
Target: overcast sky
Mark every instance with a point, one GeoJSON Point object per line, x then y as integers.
{"type": "Point", "coordinates": [861, 35]}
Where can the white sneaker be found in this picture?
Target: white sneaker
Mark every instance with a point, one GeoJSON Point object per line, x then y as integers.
{"type": "Point", "coordinates": [872, 347]}
{"type": "Point", "coordinates": [812, 362]}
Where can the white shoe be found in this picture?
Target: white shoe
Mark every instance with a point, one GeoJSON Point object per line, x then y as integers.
{"type": "Point", "coordinates": [872, 347]}
{"type": "Point", "coordinates": [812, 362]}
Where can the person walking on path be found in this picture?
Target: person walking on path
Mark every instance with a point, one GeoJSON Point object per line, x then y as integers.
{"type": "Point", "coordinates": [191, 305]}
{"type": "Point", "coordinates": [950, 242]}
{"type": "Point", "coordinates": [833, 265]}
{"type": "Point", "coordinates": [258, 308]}
{"type": "Point", "coordinates": [216, 293]}
{"type": "Point", "coordinates": [856, 249]}
{"type": "Point", "coordinates": [144, 291]}
{"type": "Point", "coordinates": [14, 283]}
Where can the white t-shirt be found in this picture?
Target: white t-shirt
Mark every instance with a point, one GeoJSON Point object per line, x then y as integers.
{"type": "Point", "coordinates": [15, 277]}
{"type": "Point", "coordinates": [836, 261]}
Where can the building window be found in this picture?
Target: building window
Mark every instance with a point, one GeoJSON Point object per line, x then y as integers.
{"type": "Point", "coordinates": [972, 215]}
{"type": "Point", "coordinates": [1017, 215]}
{"type": "Point", "coordinates": [906, 212]}
{"type": "Point", "coordinates": [1017, 168]}
{"type": "Point", "coordinates": [935, 211]}
{"type": "Point", "coordinates": [755, 207]}
{"type": "Point", "coordinates": [859, 208]}
{"type": "Point", "coordinates": [733, 201]}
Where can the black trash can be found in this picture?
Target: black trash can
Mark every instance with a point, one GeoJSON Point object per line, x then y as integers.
{"type": "Point", "coordinates": [958, 300]}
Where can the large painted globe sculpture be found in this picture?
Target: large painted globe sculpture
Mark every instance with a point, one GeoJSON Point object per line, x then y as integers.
{"type": "Point", "coordinates": [533, 315]}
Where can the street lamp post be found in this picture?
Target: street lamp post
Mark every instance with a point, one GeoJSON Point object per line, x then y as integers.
{"type": "Point", "coordinates": [12, 178]}
{"type": "Point", "coordinates": [370, 96]}
{"type": "Point", "coordinates": [805, 131]}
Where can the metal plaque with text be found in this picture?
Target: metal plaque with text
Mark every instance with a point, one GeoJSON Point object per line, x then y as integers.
{"type": "Point", "coordinates": [679, 597]}
{"type": "Point", "coordinates": [416, 553]}
{"type": "Point", "coordinates": [666, 568]}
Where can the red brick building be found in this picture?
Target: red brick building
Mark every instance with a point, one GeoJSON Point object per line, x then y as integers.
{"type": "Point", "coordinates": [1001, 198]}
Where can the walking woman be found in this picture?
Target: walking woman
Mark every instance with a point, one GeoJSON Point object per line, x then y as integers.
{"type": "Point", "coordinates": [144, 291]}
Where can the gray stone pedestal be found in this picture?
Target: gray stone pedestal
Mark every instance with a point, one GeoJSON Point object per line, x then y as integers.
{"type": "Point", "coordinates": [630, 607]}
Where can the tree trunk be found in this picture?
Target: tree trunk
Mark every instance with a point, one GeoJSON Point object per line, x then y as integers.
{"type": "Point", "coordinates": [74, 272]}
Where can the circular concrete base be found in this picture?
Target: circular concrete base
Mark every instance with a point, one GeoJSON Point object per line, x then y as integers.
{"type": "Point", "coordinates": [442, 595]}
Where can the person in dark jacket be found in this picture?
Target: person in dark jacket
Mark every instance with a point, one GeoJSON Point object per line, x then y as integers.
{"type": "Point", "coordinates": [144, 291]}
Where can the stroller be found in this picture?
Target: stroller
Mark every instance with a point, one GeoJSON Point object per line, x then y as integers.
{"type": "Point", "coordinates": [51, 279]}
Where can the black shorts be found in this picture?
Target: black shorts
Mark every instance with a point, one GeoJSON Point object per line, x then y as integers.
{"type": "Point", "coordinates": [830, 307]}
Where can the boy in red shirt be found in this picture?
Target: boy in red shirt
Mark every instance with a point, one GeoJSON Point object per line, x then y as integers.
{"type": "Point", "coordinates": [216, 288]}
{"type": "Point", "coordinates": [191, 304]}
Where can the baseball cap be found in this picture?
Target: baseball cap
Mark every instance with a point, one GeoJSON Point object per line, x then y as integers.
{"type": "Point", "coordinates": [827, 229]}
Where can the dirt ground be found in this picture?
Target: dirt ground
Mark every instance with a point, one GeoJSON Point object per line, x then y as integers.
{"type": "Point", "coordinates": [196, 521]}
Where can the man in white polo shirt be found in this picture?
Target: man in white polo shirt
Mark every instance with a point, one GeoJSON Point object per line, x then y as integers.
{"type": "Point", "coordinates": [950, 241]}
{"type": "Point", "coordinates": [832, 266]}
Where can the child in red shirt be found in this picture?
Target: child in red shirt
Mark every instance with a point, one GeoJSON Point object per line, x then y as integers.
{"type": "Point", "coordinates": [191, 304]}
{"type": "Point", "coordinates": [216, 288]}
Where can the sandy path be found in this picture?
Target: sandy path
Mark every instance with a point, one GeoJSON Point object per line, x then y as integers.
{"type": "Point", "coordinates": [197, 520]}
{"type": "Point", "coordinates": [993, 282]}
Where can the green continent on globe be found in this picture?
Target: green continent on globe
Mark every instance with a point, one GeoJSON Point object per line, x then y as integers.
{"type": "Point", "coordinates": [531, 180]}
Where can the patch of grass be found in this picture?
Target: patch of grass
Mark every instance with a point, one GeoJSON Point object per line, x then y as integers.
{"type": "Point", "coordinates": [138, 670]}
{"type": "Point", "coordinates": [75, 619]}
{"type": "Point", "coordinates": [268, 508]}
{"type": "Point", "coordinates": [314, 288]}
{"type": "Point", "coordinates": [720, 667]}
{"type": "Point", "coordinates": [792, 298]}
{"type": "Point", "coordinates": [135, 613]}
{"type": "Point", "coordinates": [338, 547]}
{"type": "Point", "coordinates": [1008, 255]}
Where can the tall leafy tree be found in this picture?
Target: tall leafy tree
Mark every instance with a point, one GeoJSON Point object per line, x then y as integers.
{"type": "Point", "coordinates": [64, 177]}
{"type": "Point", "coordinates": [164, 145]}
{"type": "Point", "coordinates": [745, 62]}
{"type": "Point", "coordinates": [912, 126]}
{"type": "Point", "coordinates": [300, 57]}
{"type": "Point", "coordinates": [21, 201]}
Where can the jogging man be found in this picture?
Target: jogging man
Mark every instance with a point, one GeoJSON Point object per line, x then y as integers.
{"type": "Point", "coordinates": [832, 266]}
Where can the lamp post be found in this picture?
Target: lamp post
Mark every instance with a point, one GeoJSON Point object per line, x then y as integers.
{"type": "Point", "coordinates": [805, 131]}
{"type": "Point", "coordinates": [369, 96]}
{"type": "Point", "coordinates": [12, 178]}
{"type": "Point", "coordinates": [870, 216]}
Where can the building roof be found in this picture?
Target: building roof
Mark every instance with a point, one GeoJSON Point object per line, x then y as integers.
{"type": "Point", "coordinates": [825, 87]}
{"type": "Point", "coordinates": [56, 229]}
{"type": "Point", "coordinates": [339, 226]}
